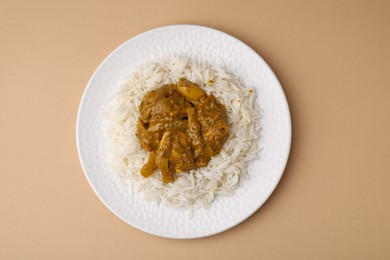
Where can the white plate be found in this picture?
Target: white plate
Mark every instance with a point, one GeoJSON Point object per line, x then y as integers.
{"type": "Point", "coordinates": [201, 44]}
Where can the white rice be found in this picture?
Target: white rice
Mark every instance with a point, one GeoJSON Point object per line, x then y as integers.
{"type": "Point", "coordinates": [196, 188]}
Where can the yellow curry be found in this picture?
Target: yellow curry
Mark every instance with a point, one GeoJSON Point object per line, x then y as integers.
{"type": "Point", "coordinates": [182, 127]}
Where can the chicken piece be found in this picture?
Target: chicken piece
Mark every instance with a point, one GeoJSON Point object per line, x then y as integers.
{"type": "Point", "coordinates": [181, 157]}
{"type": "Point", "coordinates": [213, 120]}
{"type": "Point", "coordinates": [166, 172]}
{"type": "Point", "coordinates": [195, 134]}
{"type": "Point", "coordinates": [162, 158]}
{"type": "Point", "coordinates": [163, 102]}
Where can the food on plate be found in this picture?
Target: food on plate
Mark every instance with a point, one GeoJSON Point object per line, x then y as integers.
{"type": "Point", "coordinates": [197, 158]}
{"type": "Point", "coordinates": [182, 127]}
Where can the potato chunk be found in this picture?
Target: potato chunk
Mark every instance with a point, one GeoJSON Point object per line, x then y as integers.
{"type": "Point", "coordinates": [189, 90]}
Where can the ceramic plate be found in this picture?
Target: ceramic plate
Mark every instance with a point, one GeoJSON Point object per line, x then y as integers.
{"type": "Point", "coordinates": [200, 44]}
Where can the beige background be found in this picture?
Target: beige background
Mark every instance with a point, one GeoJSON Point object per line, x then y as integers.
{"type": "Point", "coordinates": [333, 60]}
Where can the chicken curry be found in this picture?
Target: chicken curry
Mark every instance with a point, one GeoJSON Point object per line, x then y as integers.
{"type": "Point", "coordinates": [182, 128]}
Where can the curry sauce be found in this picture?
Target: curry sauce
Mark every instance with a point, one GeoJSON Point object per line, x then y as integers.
{"type": "Point", "coordinates": [182, 128]}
